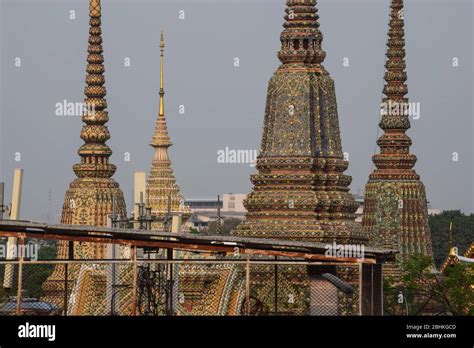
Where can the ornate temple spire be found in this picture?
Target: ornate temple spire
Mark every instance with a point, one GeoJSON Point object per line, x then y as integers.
{"type": "Point", "coordinates": [301, 39]}
{"type": "Point", "coordinates": [394, 157]}
{"type": "Point", "coordinates": [161, 137]}
{"type": "Point", "coordinates": [94, 152]}
{"type": "Point", "coordinates": [90, 197]}
{"type": "Point", "coordinates": [162, 75]}
{"type": "Point", "coordinates": [396, 212]}
{"type": "Point", "coordinates": [395, 75]}
{"type": "Point", "coordinates": [94, 194]}
{"type": "Point", "coordinates": [163, 191]}
{"type": "Point", "coordinates": [301, 191]}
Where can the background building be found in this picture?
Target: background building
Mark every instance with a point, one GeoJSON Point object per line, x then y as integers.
{"type": "Point", "coordinates": [205, 210]}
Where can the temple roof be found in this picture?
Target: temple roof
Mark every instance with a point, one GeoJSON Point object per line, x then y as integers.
{"type": "Point", "coordinates": [453, 259]}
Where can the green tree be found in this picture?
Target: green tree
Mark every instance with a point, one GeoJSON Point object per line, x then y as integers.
{"type": "Point", "coordinates": [463, 233]}
{"type": "Point", "coordinates": [423, 290]}
{"type": "Point", "coordinates": [193, 230]}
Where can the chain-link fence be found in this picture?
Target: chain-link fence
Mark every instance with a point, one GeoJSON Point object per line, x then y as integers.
{"type": "Point", "coordinates": [178, 287]}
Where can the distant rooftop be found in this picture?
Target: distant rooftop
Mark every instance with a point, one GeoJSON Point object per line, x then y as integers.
{"type": "Point", "coordinates": [205, 199]}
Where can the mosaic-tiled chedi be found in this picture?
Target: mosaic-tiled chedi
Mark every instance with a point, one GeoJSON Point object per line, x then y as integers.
{"type": "Point", "coordinates": [93, 194]}
{"type": "Point", "coordinates": [301, 191]}
{"type": "Point", "coordinates": [396, 213]}
{"type": "Point", "coordinates": [163, 193]}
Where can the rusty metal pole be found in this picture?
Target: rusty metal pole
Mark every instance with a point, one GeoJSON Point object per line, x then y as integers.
{"type": "Point", "coordinates": [276, 287]}
{"type": "Point", "coordinates": [66, 275]}
{"type": "Point", "coordinates": [247, 287]}
{"type": "Point", "coordinates": [170, 304]}
{"type": "Point", "coordinates": [2, 192]}
{"type": "Point", "coordinates": [66, 266]}
{"type": "Point", "coordinates": [20, 244]}
{"type": "Point", "coordinates": [135, 277]}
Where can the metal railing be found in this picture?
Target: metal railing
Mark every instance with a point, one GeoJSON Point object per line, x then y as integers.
{"type": "Point", "coordinates": [189, 287]}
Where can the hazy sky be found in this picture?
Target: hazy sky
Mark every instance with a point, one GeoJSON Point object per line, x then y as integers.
{"type": "Point", "coordinates": [224, 105]}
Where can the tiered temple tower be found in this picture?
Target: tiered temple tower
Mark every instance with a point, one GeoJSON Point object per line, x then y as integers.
{"type": "Point", "coordinates": [163, 193]}
{"type": "Point", "coordinates": [93, 194]}
{"type": "Point", "coordinates": [301, 191]}
{"type": "Point", "coordinates": [396, 213]}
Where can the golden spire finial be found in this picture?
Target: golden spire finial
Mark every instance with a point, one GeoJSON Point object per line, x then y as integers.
{"type": "Point", "coordinates": [94, 8]}
{"type": "Point", "coordinates": [451, 243]}
{"type": "Point", "coordinates": [162, 90]}
{"type": "Point", "coordinates": [162, 42]}
{"type": "Point", "coordinates": [161, 138]}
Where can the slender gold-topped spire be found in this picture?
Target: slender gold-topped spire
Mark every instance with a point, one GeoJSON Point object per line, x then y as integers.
{"type": "Point", "coordinates": [162, 84]}
{"type": "Point", "coordinates": [161, 137]}
{"type": "Point", "coordinates": [163, 192]}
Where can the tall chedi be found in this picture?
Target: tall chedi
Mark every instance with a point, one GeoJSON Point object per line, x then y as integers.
{"type": "Point", "coordinates": [163, 193]}
{"type": "Point", "coordinates": [396, 212]}
{"type": "Point", "coordinates": [301, 191]}
{"type": "Point", "coordinates": [93, 194]}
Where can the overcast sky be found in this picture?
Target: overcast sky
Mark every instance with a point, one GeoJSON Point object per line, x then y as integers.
{"type": "Point", "coordinates": [224, 104]}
